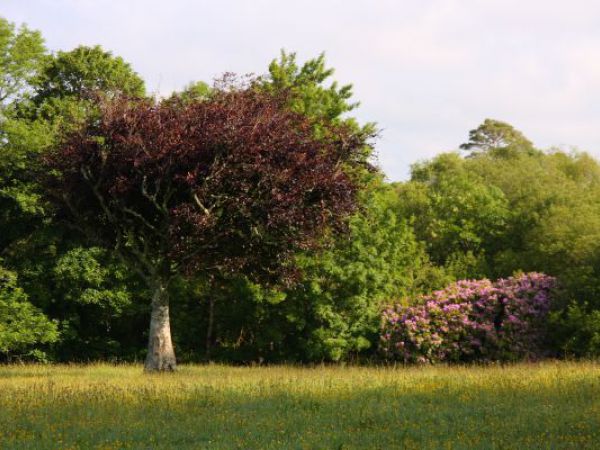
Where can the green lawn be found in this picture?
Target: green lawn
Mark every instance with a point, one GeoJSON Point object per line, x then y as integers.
{"type": "Point", "coordinates": [550, 405]}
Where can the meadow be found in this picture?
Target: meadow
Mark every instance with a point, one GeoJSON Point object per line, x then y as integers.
{"type": "Point", "coordinates": [546, 405]}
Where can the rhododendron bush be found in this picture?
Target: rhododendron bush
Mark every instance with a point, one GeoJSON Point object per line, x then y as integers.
{"type": "Point", "coordinates": [471, 320]}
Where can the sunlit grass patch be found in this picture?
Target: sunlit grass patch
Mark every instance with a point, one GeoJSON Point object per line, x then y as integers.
{"type": "Point", "coordinates": [550, 405]}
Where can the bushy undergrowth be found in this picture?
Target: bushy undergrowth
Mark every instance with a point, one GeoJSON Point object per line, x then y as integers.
{"type": "Point", "coordinates": [471, 320]}
{"type": "Point", "coordinates": [22, 325]}
{"type": "Point", "coordinates": [576, 331]}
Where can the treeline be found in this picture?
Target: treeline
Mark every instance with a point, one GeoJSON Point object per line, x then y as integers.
{"type": "Point", "coordinates": [496, 206]}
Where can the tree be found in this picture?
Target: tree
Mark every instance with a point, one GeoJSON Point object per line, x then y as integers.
{"type": "Point", "coordinates": [86, 69]}
{"type": "Point", "coordinates": [22, 58]}
{"type": "Point", "coordinates": [456, 213]}
{"type": "Point", "coordinates": [56, 103]}
{"type": "Point", "coordinates": [515, 208]}
{"type": "Point", "coordinates": [235, 184]}
{"type": "Point", "coordinates": [333, 312]}
{"type": "Point", "coordinates": [309, 94]}
{"type": "Point", "coordinates": [39, 248]}
{"type": "Point", "coordinates": [554, 200]}
{"type": "Point", "coordinates": [22, 54]}
{"type": "Point", "coordinates": [248, 321]}
{"type": "Point", "coordinates": [500, 138]}
{"type": "Point", "coordinates": [21, 324]}
{"type": "Point", "coordinates": [195, 91]}
{"type": "Point", "coordinates": [343, 289]}
{"type": "Point", "coordinates": [328, 314]}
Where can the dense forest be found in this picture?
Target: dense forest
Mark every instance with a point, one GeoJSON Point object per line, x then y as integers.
{"type": "Point", "coordinates": [496, 207]}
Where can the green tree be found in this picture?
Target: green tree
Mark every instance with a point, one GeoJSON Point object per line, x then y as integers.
{"type": "Point", "coordinates": [195, 91]}
{"type": "Point", "coordinates": [85, 69]}
{"type": "Point", "coordinates": [22, 58]}
{"type": "Point", "coordinates": [345, 289]}
{"type": "Point", "coordinates": [544, 209]}
{"type": "Point", "coordinates": [311, 93]}
{"type": "Point", "coordinates": [497, 138]}
{"type": "Point", "coordinates": [22, 54]}
{"type": "Point", "coordinates": [22, 326]}
{"type": "Point", "coordinates": [40, 249]}
{"type": "Point", "coordinates": [456, 213]}
{"type": "Point", "coordinates": [333, 313]}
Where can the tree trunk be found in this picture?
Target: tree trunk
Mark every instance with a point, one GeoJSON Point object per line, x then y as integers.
{"type": "Point", "coordinates": [161, 356]}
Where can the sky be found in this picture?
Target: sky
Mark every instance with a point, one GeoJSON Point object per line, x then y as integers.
{"type": "Point", "coordinates": [427, 71]}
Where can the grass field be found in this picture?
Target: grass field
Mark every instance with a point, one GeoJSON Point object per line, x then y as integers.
{"type": "Point", "coordinates": [550, 405]}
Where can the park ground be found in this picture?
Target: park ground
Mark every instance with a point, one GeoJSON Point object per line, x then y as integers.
{"type": "Point", "coordinates": [545, 405]}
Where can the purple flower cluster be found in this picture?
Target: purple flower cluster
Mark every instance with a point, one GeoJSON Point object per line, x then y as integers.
{"type": "Point", "coordinates": [471, 320]}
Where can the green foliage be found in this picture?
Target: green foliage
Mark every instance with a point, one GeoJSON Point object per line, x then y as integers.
{"type": "Point", "coordinates": [89, 294]}
{"type": "Point", "coordinates": [83, 70]}
{"type": "Point", "coordinates": [306, 83]}
{"type": "Point", "coordinates": [333, 312]}
{"type": "Point", "coordinates": [22, 326]}
{"type": "Point", "coordinates": [554, 201]}
{"type": "Point", "coordinates": [198, 90]}
{"type": "Point", "coordinates": [576, 330]}
{"type": "Point", "coordinates": [98, 302]}
{"type": "Point", "coordinates": [456, 213]}
{"type": "Point", "coordinates": [510, 207]}
{"type": "Point", "coordinates": [506, 206]}
{"type": "Point", "coordinates": [311, 95]}
{"type": "Point", "coordinates": [498, 139]}
{"type": "Point", "coordinates": [21, 209]}
{"type": "Point", "coordinates": [345, 287]}
{"type": "Point", "coordinates": [526, 210]}
{"type": "Point", "coordinates": [22, 57]}
{"type": "Point", "coordinates": [85, 277]}
{"type": "Point", "coordinates": [22, 53]}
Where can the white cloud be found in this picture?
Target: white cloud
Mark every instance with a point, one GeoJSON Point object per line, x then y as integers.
{"type": "Point", "coordinates": [426, 70]}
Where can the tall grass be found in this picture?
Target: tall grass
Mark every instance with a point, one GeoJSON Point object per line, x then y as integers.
{"type": "Point", "coordinates": [549, 405]}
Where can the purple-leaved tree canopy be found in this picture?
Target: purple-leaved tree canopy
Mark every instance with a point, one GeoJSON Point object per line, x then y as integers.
{"type": "Point", "coordinates": [235, 183]}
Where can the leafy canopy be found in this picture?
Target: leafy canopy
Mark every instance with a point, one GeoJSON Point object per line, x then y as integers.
{"type": "Point", "coordinates": [498, 138]}
{"type": "Point", "coordinates": [234, 183]}
{"type": "Point", "coordinates": [87, 69]}
{"type": "Point", "coordinates": [21, 324]}
{"type": "Point", "coordinates": [22, 53]}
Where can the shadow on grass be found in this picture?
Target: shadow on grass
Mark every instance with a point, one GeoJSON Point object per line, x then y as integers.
{"type": "Point", "coordinates": [364, 418]}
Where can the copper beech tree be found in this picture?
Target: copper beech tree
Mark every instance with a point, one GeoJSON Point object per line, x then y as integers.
{"type": "Point", "coordinates": [234, 183]}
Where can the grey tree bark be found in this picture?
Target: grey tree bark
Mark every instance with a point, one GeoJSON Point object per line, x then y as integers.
{"type": "Point", "coordinates": [161, 355]}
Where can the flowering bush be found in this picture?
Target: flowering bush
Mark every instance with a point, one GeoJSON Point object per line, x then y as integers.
{"type": "Point", "coordinates": [471, 320]}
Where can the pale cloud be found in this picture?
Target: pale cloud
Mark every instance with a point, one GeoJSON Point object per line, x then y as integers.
{"type": "Point", "coordinates": [426, 70]}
